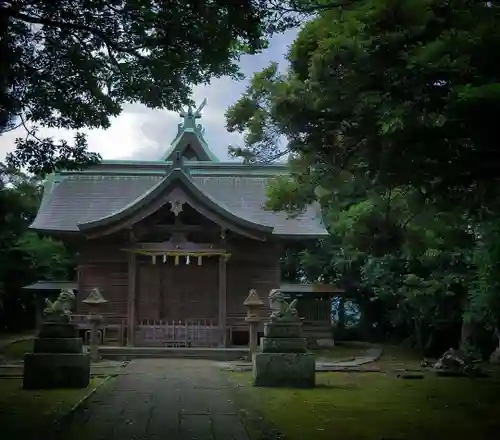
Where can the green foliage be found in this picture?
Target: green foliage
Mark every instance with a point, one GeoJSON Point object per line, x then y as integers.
{"type": "Point", "coordinates": [44, 257]}
{"type": "Point", "coordinates": [73, 63]}
{"type": "Point", "coordinates": [484, 294]}
{"type": "Point", "coordinates": [401, 93]}
{"type": "Point", "coordinates": [387, 112]}
{"type": "Point", "coordinates": [26, 257]}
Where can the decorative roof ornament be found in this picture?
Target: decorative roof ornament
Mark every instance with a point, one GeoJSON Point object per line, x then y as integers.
{"type": "Point", "coordinates": [190, 137]}
{"type": "Point", "coordinates": [190, 116]}
{"type": "Point", "coordinates": [176, 206]}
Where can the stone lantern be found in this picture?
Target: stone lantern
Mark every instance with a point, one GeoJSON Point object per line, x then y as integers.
{"type": "Point", "coordinates": [253, 304]}
{"type": "Point", "coordinates": [95, 301]}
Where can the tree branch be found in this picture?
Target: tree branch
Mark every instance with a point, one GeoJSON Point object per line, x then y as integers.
{"type": "Point", "coordinates": [79, 27]}
{"type": "Point", "coordinates": [295, 7]}
{"type": "Point", "coordinates": [28, 131]}
{"type": "Point", "coordinates": [11, 129]}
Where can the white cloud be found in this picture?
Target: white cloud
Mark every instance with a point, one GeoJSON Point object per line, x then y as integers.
{"type": "Point", "coordinates": [145, 134]}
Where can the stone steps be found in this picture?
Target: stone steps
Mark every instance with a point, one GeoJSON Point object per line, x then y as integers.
{"type": "Point", "coordinates": [127, 353]}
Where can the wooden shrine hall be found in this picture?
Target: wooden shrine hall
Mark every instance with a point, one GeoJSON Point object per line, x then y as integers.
{"type": "Point", "coordinates": [174, 245]}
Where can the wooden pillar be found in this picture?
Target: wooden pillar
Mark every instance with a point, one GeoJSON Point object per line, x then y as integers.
{"type": "Point", "coordinates": [131, 300]}
{"type": "Point", "coordinates": [222, 298]}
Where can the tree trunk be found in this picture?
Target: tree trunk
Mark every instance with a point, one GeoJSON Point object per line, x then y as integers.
{"type": "Point", "coordinates": [495, 356]}
{"type": "Point", "coordinates": [429, 343]}
{"type": "Point", "coordinates": [466, 334]}
{"type": "Point", "coordinates": [418, 335]}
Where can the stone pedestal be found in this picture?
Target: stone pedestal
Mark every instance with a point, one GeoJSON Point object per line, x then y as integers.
{"type": "Point", "coordinates": [284, 361]}
{"type": "Point", "coordinates": [292, 370]}
{"type": "Point", "coordinates": [57, 360]}
{"type": "Point", "coordinates": [58, 330]}
{"type": "Point", "coordinates": [253, 324]}
{"type": "Point", "coordinates": [95, 321]}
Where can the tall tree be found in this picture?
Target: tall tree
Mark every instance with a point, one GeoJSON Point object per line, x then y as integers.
{"type": "Point", "coordinates": [405, 93]}
{"type": "Point", "coordinates": [386, 108]}
{"type": "Point", "coordinates": [73, 63]}
{"type": "Point", "coordinates": [26, 256]}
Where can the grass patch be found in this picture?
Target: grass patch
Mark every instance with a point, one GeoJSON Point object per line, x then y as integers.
{"type": "Point", "coordinates": [377, 406]}
{"type": "Point", "coordinates": [340, 352]}
{"type": "Point", "coordinates": [17, 350]}
{"type": "Point", "coordinates": [28, 414]}
{"type": "Point", "coordinates": [397, 357]}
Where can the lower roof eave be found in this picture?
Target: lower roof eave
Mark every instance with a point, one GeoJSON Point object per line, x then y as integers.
{"type": "Point", "coordinates": [47, 231]}
{"type": "Point", "coordinates": [42, 285]}
{"type": "Point", "coordinates": [301, 237]}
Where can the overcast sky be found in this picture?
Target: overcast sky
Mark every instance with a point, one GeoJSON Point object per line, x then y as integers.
{"type": "Point", "coordinates": [144, 134]}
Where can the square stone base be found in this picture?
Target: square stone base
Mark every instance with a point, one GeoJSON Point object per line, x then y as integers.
{"type": "Point", "coordinates": [58, 330]}
{"type": "Point", "coordinates": [58, 345]}
{"type": "Point", "coordinates": [283, 329]}
{"type": "Point", "coordinates": [283, 345]}
{"type": "Point", "coordinates": [52, 370]}
{"type": "Point", "coordinates": [290, 370]}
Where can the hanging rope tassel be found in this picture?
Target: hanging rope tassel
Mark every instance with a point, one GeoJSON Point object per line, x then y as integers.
{"type": "Point", "coordinates": [164, 258]}
{"type": "Point", "coordinates": [177, 260]}
{"type": "Point", "coordinates": [199, 261]}
{"type": "Point", "coordinates": [188, 260]}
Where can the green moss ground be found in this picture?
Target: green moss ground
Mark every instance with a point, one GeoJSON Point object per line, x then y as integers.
{"type": "Point", "coordinates": [339, 352]}
{"type": "Point", "coordinates": [375, 406]}
{"type": "Point", "coordinates": [17, 350]}
{"type": "Point", "coordinates": [28, 414]}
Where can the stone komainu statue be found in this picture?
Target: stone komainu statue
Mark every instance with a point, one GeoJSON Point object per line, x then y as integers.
{"type": "Point", "coordinates": [60, 309]}
{"type": "Point", "coordinates": [281, 310]}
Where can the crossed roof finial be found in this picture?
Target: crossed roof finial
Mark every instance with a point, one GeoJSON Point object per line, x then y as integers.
{"type": "Point", "coordinates": [189, 115]}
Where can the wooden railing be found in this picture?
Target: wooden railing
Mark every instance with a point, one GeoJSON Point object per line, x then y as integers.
{"type": "Point", "coordinates": [176, 333]}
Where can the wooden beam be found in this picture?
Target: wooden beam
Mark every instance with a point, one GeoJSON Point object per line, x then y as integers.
{"type": "Point", "coordinates": [179, 228]}
{"type": "Point", "coordinates": [167, 229]}
{"type": "Point", "coordinates": [131, 299]}
{"type": "Point", "coordinates": [222, 298]}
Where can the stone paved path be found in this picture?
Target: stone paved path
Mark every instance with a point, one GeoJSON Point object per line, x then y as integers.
{"type": "Point", "coordinates": [161, 399]}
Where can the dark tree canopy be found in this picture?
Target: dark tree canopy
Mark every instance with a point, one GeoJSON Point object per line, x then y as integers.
{"type": "Point", "coordinates": [388, 113]}
{"type": "Point", "coordinates": [73, 63]}
{"type": "Point", "coordinates": [406, 93]}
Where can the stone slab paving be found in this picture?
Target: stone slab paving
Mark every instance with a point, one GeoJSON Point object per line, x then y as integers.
{"type": "Point", "coordinates": [106, 368]}
{"type": "Point", "coordinates": [174, 399]}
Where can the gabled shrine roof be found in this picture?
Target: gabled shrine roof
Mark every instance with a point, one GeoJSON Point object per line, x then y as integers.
{"type": "Point", "coordinates": [73, 198]}
{"type": "Point", "coordinates": [177, 179]}
{"type": "Point", "coordinates": [76, 201]}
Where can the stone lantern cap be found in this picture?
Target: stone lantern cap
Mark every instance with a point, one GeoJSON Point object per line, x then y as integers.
{"type": "Point", "coordinates": [253, 299]}
{"type": "Point", "coordinates": [95, 298]}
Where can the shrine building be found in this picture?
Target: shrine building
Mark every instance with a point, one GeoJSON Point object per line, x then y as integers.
{"type": "Point", "coordinates": [175, 245]}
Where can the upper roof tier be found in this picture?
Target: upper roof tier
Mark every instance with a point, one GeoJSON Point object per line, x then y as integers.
{"type": "Point", "coordinates": [116, 194]}
{"type": "Point", "coordinates": [190, 139]}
